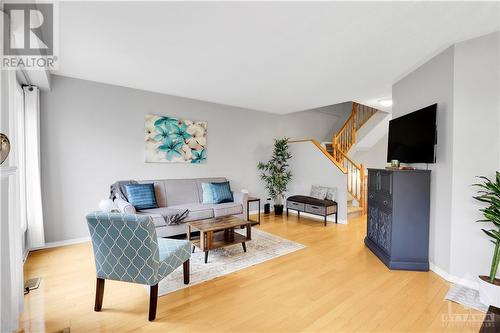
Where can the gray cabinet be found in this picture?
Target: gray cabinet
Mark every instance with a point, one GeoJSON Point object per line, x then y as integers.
{"type": "Point", "coordinates": [398, 217]}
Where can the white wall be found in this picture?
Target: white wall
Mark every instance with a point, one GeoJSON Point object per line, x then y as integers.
{"type": "Point", "coordinates": [92, 134]}
{"type": "Point", "coordinates": [464, 81]}
{"type": "Point", "coordinates": [311, 167]}
{"type": "Point", "coordinates": [433, 83]}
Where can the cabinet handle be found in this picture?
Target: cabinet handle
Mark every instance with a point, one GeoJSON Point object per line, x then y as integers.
{"type": "Point", "coordinates": [314, 207]}
{"type": "Point", "coordinates": [385, 202]}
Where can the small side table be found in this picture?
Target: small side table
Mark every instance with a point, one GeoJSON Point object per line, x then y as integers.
{"type": "Point", "coordinates": [253, 199]}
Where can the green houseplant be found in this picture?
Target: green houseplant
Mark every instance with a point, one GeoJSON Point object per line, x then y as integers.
{"type": "Point", "coordinates": [489, 193]}
{"type": "Point", "coordinates": [275, 173]}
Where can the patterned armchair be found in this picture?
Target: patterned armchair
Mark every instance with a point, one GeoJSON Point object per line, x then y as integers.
{"type": "Point", "coordinates": [126, 249]}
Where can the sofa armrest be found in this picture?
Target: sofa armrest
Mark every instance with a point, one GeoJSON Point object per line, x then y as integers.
{"type": "Point", "coordinates": [125, 206]}
{"type": "Point", "coordinates": [241, 198]}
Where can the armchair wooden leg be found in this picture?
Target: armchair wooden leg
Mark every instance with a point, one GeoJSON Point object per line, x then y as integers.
{"type": "Point", "coordinates": [99, 292]}
{"type": "Point", "coordinates": [153, 300]}
{"type": "Point", "coordinates": [185, 270]}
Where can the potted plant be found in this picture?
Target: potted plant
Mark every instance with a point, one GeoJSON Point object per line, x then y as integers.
{"type": "Point", "coordinates": [275, 173]}
{"type": "Point", "coordinates": [489, 286]}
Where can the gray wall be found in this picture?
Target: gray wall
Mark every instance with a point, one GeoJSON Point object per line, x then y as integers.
{"type": "Point", "coordinates": [93, 135]}
{"type": "Point", "coordinates": [433, 83]}
{"type": "Point", "coordinates": [476, 145]}
{"type": "Point", "coordinates": [376, 156]}
{"type": "Point", "coordinates": [464, 81]}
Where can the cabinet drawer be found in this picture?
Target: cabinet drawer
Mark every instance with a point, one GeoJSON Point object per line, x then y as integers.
{"type": "Point", "coordinates": [295, 205]}
{"type": "Point", "coordinates": [319, 210]}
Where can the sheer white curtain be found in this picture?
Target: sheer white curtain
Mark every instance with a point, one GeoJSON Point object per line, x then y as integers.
{"type": "Point", "coordinates": [34, 211]}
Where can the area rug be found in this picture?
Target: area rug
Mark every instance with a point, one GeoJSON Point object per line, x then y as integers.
{"type": "Point", "coordinates": [466, 296]}
{"type": "Point", "coordinates": [263, 247]}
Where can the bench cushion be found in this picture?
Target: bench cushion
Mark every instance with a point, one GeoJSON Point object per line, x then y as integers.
{"type": "Point", "coordinates": [311, 201]}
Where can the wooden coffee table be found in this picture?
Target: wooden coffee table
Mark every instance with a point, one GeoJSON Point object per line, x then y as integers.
{"type": "Point", "coordinates": [218, 232]}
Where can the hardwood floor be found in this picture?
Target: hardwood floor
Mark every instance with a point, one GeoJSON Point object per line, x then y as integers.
{"type": "Point", "coordinates": [335, 284]}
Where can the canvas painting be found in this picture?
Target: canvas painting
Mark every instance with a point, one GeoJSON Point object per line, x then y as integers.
{"type": "Point", "coordinates": [173, 140]}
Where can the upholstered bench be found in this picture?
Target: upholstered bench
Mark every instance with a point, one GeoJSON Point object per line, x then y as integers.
{"type": "Point", "coordinates": [303, 203]}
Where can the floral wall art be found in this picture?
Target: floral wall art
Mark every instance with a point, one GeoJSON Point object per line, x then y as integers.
{"type": "Point", "coordinates": [173, 140]}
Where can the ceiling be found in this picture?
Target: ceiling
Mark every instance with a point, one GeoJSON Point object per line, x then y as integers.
{"type": "Point", "coordinates": [277, 57]}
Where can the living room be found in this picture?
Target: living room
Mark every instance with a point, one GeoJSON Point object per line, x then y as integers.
{"type": "Point", "coordinates": [224, 141]}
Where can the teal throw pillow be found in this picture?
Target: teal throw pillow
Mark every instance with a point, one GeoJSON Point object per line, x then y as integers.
{"type": "Point", "coordinates": [222, 192]}
{"type": "Point", "coordinates": [141, 196]}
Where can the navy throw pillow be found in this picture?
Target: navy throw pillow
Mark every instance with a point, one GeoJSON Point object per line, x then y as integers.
{"type": "Point", "coordinates": [141, 196]}
{"type": "Point", "coordinates": [222, 192]}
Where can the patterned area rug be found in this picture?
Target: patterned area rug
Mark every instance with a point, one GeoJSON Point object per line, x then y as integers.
{"type": "Point", "coordinates": [466, 296]}
{"type": "Point", "coordinates": [263, 246]}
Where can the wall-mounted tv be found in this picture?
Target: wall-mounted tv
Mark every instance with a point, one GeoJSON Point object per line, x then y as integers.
{"type": "Point", "coordinates": [412, 137]}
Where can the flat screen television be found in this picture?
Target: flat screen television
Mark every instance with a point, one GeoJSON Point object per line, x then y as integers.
{"type": "Point", "coordinates": [412, 137]}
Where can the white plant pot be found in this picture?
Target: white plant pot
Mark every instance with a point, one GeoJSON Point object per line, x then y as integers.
{"type": "Point", "coordinates": [489, 293]}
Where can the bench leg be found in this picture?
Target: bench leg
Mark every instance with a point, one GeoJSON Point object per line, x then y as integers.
{"type": "Point", "coordinates": [325, 220]}
{"type": "Point", "coordinates": [336, 216]}
{"type": "Point", "coordinates": [153, 301]}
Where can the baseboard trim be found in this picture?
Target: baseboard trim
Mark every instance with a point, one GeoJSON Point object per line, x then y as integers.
{"type": "Point", "coordinates": [61, 243]}
{"type": "Point", "coordinates": [452, 278]}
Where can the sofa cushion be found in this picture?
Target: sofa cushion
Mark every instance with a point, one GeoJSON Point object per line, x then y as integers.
{"type": "Point", "coordinates": [168, 215]}
{"type": "Point", "coordinates": [197, 211]}
{"type": "Point", "coordinates": [227, 208]}
{"type": "Point", "coordinates": [181, 191]}
{"type": "Point", "coordinates": [311, 201]}
{"type": "Point", "coordinates": [158, 219]}
{"type": "Point", "coordinates": [171, 230]}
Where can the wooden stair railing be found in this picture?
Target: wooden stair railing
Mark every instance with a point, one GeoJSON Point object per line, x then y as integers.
{"type": "Point", "coordinates": [356, 179]}
{"type": "Point", "coordinates": [336, 151]}
{"type": "Point", "coordinates": [345, 138]}
{"type": "Point", "coordinates": [342, 142]}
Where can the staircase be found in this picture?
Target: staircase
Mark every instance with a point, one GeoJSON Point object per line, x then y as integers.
{"type": "Point", "coordinates": [342, 142]}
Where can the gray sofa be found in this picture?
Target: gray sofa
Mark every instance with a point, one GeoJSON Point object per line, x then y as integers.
{"type": "Point", "coordinates": [178, 194]}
